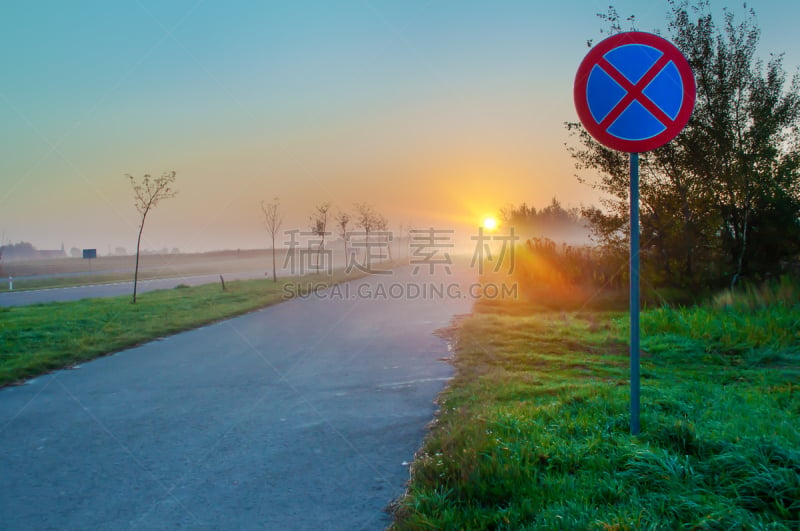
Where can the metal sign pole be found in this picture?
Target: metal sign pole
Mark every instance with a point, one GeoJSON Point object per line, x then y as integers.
{"type": "Point", "coordinates": [634, 293]}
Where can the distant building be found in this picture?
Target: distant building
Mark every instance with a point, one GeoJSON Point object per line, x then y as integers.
{"type": "Point", "coordinates": [26, 251]}
{"type": "Point", "coordinates": [45, 254]}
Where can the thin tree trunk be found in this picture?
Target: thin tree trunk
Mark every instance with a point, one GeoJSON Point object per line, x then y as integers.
{"type": "Point", "coordinates": [368, 254]}
{"type": "Point", "coordinates": [274, 274]}
{"type": "Point", "coordinates": [136, 269]}
{"type": "Point", "coordinates": [740, 262]}
{"type": "Point", "coordinates": [320, 251]}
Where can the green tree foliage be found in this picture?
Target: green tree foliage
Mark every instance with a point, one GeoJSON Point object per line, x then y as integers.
{"type": "Point", "coordinates": [722, 200]}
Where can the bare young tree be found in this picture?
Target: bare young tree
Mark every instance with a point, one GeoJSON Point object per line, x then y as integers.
{"type": "Point", "coordinates": [382, 226]}
{"type": "Point", "coordinates": [366, 218]}
{"type": "Point", "coordinates": [342, 220]}
{"type": "Point", "coordinates": [272, 221]}
{"type": "Point", "coordinates": [319, 224]}
{"type": "Point", "coordinates": [146, 195]}
{"type": "Point", "coordinates": [370, 221]}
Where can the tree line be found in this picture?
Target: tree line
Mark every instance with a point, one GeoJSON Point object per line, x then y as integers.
{"type": "Point", "coordinates": [364, 217]}
{"type": "Point", "coordinates": [553, 222]}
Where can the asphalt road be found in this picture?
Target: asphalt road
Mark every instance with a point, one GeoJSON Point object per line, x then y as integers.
{"type": "Point", "coordinates": [74, 293]}
{"type": "Point", "coordinates": [299, 416]}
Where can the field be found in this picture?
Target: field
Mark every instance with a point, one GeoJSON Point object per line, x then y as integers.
{"type": "Point", "coordinates": [37, 274]}
{"type": "Point", "coordinates": [64, 272]}
{"type": "Point", "coordinates": [533, 432]}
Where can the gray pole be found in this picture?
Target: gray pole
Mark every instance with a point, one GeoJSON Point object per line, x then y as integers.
{"type": "Point", "coordinates": [634, 294]}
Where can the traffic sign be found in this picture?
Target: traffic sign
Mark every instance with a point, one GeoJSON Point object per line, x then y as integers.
{"type": "Point", "coordinates": [634, 91]}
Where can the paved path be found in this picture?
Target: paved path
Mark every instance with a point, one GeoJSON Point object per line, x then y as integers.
{"type": "Point", "coordinates": [298, 416]}
{"type": "Point", "coordinates": [74, 293]}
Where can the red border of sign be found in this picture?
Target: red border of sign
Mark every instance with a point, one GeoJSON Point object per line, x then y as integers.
{"type": "Point", "coordinates": [597, 53]}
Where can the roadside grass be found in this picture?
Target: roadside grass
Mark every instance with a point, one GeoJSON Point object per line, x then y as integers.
{"type": "Point", "coordinates": [533, 431]}
{"type": "Point", "coordinates": [39, 338]}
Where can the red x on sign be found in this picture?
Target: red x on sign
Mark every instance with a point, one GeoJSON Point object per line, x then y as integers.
{"type": "Point", "coordinates": [634, 92]}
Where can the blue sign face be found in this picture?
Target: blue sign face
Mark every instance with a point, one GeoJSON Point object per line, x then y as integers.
{"type": "Point", "coordinates": [634, 92]}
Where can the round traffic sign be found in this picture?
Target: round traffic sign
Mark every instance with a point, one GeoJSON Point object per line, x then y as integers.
{"type": "Point", "coordinates": [634, 91]}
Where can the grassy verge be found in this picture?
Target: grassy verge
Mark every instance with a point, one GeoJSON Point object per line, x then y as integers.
{"type": "Point", "coordinates": [39, 338]}
{"type": "Point", "coordinates": [534, 430]}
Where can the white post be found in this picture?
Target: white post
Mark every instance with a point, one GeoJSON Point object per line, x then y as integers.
{"type": "Point", "coordinates": [10, 283]}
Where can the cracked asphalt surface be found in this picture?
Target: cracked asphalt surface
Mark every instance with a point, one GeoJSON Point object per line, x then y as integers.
{"type": "Point", "coordinates": [302, 415]}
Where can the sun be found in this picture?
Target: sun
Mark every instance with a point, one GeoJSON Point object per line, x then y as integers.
{"type": "Point", "coordinates": [489, 223]}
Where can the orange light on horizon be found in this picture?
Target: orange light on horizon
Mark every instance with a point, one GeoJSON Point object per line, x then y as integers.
{"type": "Point", "coordinates": [489, 223]}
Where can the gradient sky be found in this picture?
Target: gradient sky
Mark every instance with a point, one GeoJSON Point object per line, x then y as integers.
{"type": "Point", "coordinates": [437, 112]}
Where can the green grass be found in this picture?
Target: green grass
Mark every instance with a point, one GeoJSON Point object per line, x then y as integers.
{"type": "Point", "coordinates": [39, 338]}
{"type": "Point", "coordinates": [533, 432]}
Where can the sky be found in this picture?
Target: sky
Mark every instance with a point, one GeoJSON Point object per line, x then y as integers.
{"type": "Point", "coordinates": [436, 112]}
